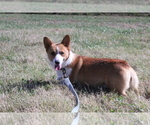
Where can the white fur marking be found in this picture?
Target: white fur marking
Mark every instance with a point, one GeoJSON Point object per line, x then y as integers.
{"type": "Point", "coordinates": [64, 65]}
{"type": "Point", "coordinates": [57, 49]}
{"type": "Point", "coordinates": [58, 58]}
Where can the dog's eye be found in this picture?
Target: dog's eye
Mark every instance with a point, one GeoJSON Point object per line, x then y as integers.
{"type": "Point", "coordinates": [61, 53]}
{"type": "Point", "coordinates": [53, 53]}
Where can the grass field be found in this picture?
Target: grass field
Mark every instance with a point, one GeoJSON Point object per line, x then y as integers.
{"type": "Point", "coordinates": [139, 6]}
{"type": "Point", "coordinates": [28, 84]}
{"type": "Point", "coordinates": [66, 118]}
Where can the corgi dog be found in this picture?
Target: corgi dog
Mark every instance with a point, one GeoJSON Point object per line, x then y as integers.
{"type": "Point", "coordinates": [116, 74]}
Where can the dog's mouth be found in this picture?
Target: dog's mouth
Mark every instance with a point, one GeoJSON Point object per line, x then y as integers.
{"type": "Point", "coordinates": [57, 67]}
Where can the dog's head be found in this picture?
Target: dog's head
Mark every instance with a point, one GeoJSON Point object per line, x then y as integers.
{"type": "Point", "coordinates": [57, 53]}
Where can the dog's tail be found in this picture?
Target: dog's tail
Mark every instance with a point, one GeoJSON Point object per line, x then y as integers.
{"type": "Point", "coordinates": [134, 81]}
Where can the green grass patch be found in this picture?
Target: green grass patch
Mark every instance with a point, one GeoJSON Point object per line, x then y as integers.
{"type": "Point", "coordinates": [112, 6]}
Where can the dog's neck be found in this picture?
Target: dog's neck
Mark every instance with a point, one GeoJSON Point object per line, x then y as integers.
{"type": "Point", "coordinates": [68, 62]}
{"type": "Point", "coordinates": [66, 65]}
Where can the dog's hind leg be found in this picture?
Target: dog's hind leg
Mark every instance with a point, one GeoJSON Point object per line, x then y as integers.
{"type": "Point", "coordinates": [121, 84]}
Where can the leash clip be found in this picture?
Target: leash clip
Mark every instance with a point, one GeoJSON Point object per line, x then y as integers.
{"type": "Point", "coordinates": [64, 73]}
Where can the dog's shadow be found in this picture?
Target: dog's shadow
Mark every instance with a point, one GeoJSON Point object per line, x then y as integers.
{"type": "Point", "coordinates": [27, 85]}
{"type": "Point", "coordinates": [30, 85]}
{"type": "Point", "coordinates": [89, 89]}
{"type": "Point", "coordinates": [33, 84]}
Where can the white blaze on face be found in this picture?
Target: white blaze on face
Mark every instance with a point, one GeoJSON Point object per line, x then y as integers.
{"type": "Point", "coordinates": [58, 60]}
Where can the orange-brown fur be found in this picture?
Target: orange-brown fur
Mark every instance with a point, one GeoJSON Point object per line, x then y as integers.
{"type": "Point", "coordinates": [115, 73]}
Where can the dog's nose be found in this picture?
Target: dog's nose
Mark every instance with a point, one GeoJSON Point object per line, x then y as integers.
{"type": "Point", "coordinates": [56, 62]}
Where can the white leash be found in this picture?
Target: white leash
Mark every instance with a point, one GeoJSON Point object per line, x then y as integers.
{"type": "Point", "coordinates": [75, 120]}
{"type": "Point", "coordinates": [65, 81]}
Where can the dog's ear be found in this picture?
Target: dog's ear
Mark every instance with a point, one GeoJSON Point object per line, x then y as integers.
{"type": "Point", "coordinates": [66, 41]}
{"type": "Point", "coordinates": [47, 43]}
